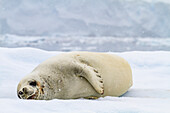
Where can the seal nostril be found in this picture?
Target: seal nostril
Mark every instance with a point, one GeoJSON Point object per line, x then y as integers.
{"type": "Point", "coordinates": [24, 90]}
{"type": "Point", "coordinates": [21, 93]}
{"type": "Point", "coordinates": [19, 96]}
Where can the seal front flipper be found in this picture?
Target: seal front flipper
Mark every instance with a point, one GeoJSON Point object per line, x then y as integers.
{"type": "Point", "coordinates": [91, 74]}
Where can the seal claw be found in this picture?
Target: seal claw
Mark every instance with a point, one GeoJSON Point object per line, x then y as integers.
{"type": "Point", "coordinates": [97, 81]}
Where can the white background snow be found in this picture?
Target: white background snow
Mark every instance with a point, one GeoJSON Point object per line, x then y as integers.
{"type": "Point", "coordinates": [150, 92]}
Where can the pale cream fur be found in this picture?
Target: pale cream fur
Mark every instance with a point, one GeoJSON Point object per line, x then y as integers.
{"type": "Point", "coordinates": [79, 75]}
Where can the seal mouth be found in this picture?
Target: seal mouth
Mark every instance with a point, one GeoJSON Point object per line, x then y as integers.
{"type": "Point", "coordinates": [33, 96]}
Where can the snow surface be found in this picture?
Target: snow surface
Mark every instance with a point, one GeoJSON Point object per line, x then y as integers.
{"type": "Point", "coordinates": [120, 18]}
{"type": "Point", "coordinates": [149, 94]}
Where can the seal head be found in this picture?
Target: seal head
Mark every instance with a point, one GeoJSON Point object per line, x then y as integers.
{"type": "Point", "coordinates": [30, 89]}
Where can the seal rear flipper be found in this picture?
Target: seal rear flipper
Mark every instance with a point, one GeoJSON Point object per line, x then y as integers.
{"type": "Point", "coordinates": [92, 75]}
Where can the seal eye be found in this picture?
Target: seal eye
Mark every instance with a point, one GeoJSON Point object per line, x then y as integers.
{"type": "Point", "coordinates": [34, 83]}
